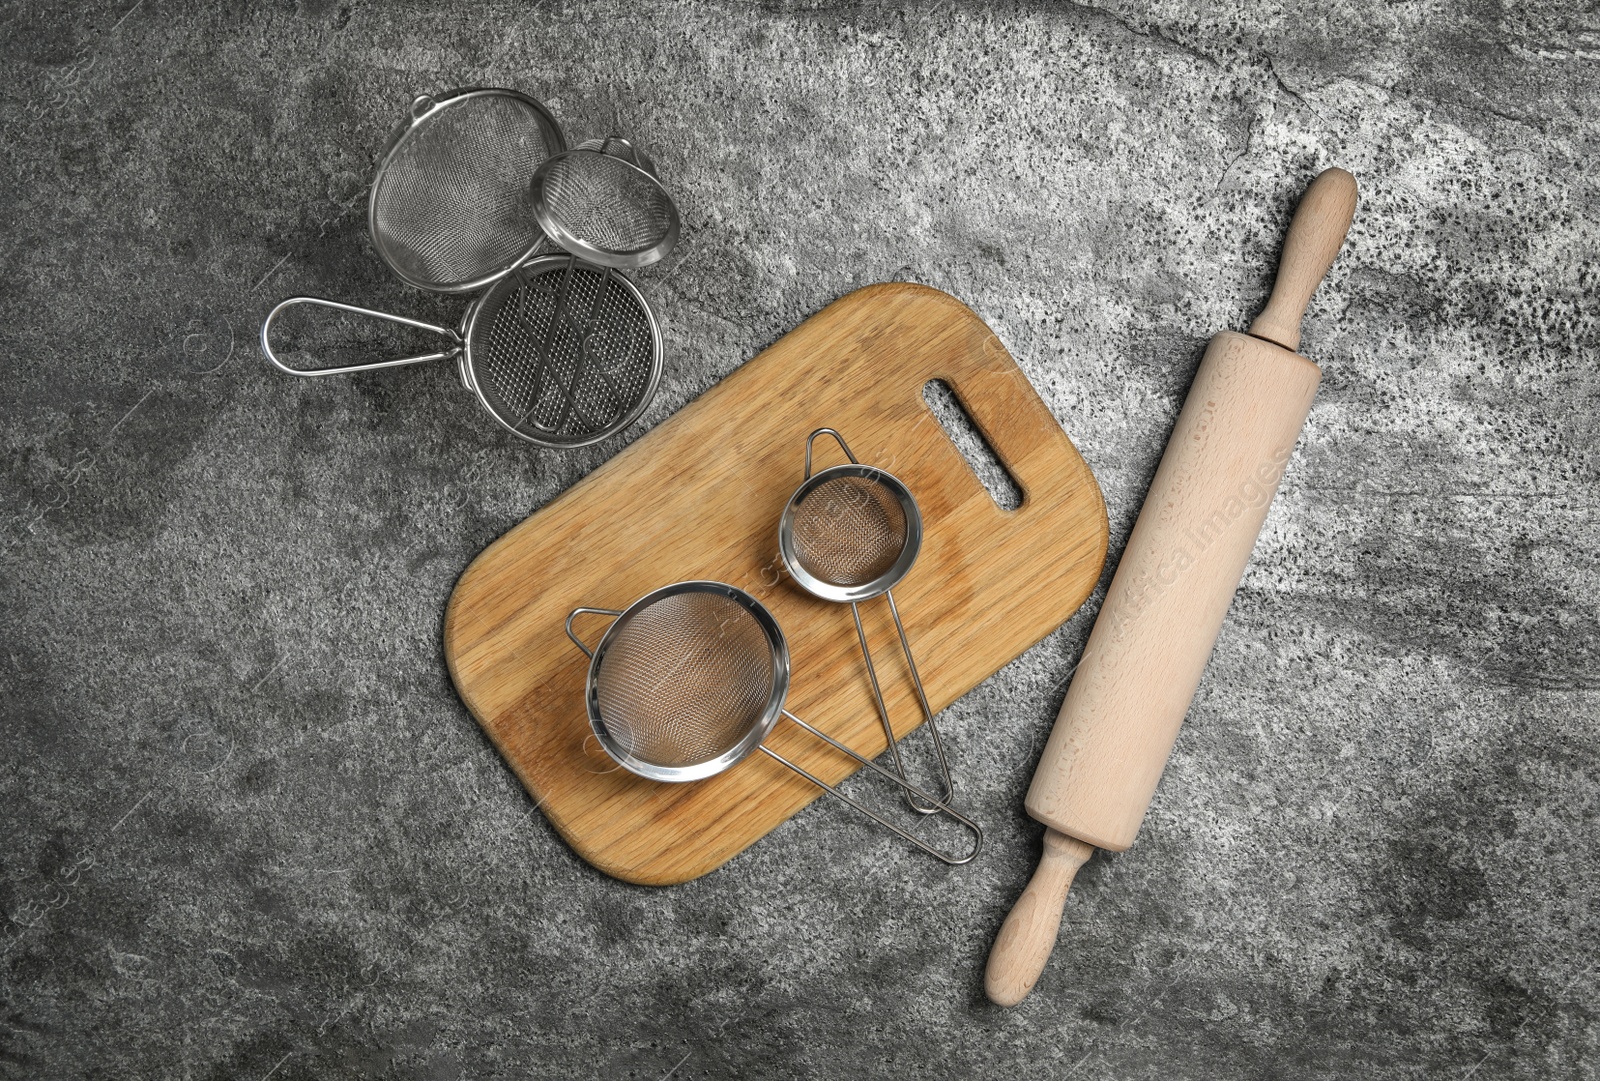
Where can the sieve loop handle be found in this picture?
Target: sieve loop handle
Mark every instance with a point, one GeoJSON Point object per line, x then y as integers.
{"type": "Point", "coordinates": [575, 613]}
{"type": "Point", "coordinates": [311, 373]}
{"type": "Point", "coordinates": [941, 808]}
{"type": "Point", "coordinates": [812, 438]}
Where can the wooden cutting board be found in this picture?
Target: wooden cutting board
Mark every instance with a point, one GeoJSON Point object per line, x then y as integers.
{"type": "Point", "coordinates": [700, 497]}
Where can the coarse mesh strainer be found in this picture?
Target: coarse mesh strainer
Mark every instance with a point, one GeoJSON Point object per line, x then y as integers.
{"type": "Point", "coordinates": [449, 209]}
{"type": "Point", "coordinates": [848, 534]}
{"type": "Point", "coordinates": [564, 351]}
{"type": "Point", "coordinates": [561, 353]}
{"type": "Point", "coordinates": [690, 679]}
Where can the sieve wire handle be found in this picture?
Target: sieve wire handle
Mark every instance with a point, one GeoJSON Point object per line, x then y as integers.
{"type": "Point", "coordinates": [629, 153]}
{"type": "Point", "coordinates": [883, 710]}
{"type": "Point", "coordinates": [311, 373]}
{"type": "Point", "coordinates": [943, 809]}
{"type": "Point", "coordinates": [575, 613]}
{"type": "Point", "coordinates": [922, 697]}
{"type": "Point", "coordinates": [883, 714]}
{"type": "Point", "coordinates": [812, 438]}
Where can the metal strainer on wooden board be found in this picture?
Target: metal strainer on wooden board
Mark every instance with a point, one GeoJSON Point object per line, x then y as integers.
{"type": "Point", "coordinates": [848, 534]}
{"type": "Point", "coordinates": [690, 679]}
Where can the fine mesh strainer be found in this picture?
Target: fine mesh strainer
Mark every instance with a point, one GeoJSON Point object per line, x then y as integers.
{"type": "Point", "coordinates": [848, 534]}
{"type": "Point", "coordinates": [449, 209]}
{"type": "Point", "coordinates": [691, 679]}
{"type": "Point", "coordinates": [561, 354]}
{"type": "Point", "coordinates": [601, 201]}
{"type": "Point", "coordinates": [479, 181]}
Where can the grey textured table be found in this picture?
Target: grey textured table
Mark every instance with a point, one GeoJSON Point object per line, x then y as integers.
{"type": "Point", "coordinates": [250, 831]}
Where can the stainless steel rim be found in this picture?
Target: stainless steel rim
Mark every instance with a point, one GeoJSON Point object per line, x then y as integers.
{"type": "Point", "coordinates": [747, 744]}
{"type": "Point", "coordinates": [423, 109]}
{"type": "Point", "coordinates": [884, 582]}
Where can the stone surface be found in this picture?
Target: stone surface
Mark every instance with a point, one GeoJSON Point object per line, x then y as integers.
{"type": "Point", "coordinates": [249, 829]}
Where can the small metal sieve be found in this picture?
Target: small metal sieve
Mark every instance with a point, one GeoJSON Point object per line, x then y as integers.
{"type": "Point", "coordinates": [690, 679]}
{"type": "Point", "coordinates": [848, 534]}
{"type": "Point", "coordinates": [601, 201]}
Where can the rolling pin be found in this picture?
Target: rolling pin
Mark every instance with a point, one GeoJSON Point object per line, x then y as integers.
{"type": "Point", "coordinates": [1166, 603]}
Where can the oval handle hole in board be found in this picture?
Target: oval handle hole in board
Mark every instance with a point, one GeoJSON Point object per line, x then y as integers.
{"type": "Point", "coordinates": [970, 443]}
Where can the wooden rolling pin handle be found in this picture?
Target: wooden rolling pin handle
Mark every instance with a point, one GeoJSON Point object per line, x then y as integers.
{"type": "Point", "coordinates": [1315, 236]}
{"type": "Point", "coordinates": [1029, 933]}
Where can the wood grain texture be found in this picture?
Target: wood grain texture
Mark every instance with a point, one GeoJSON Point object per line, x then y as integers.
{"type": "Point", "coordinates": [1172, 588]}
{"type": "Point", "coordinates": [700, 497]}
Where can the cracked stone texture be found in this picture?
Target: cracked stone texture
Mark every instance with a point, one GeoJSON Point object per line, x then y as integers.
{"type": "Point", "coordinates": [251, 832]}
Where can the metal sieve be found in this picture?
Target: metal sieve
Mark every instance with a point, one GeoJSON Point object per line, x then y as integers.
{"type": "Point", "coordinates": [848, 534]}
{"type": "Point", "coordinates": [562, 354]}
{"type": "Point", "coordinates": [690, 679]}
{"type": "Point", "coordinates": [602, 202]}
{"type": "Point", "coordinates": [480, 181]}
{"type": "Point", "coordinates": [449, 209]}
